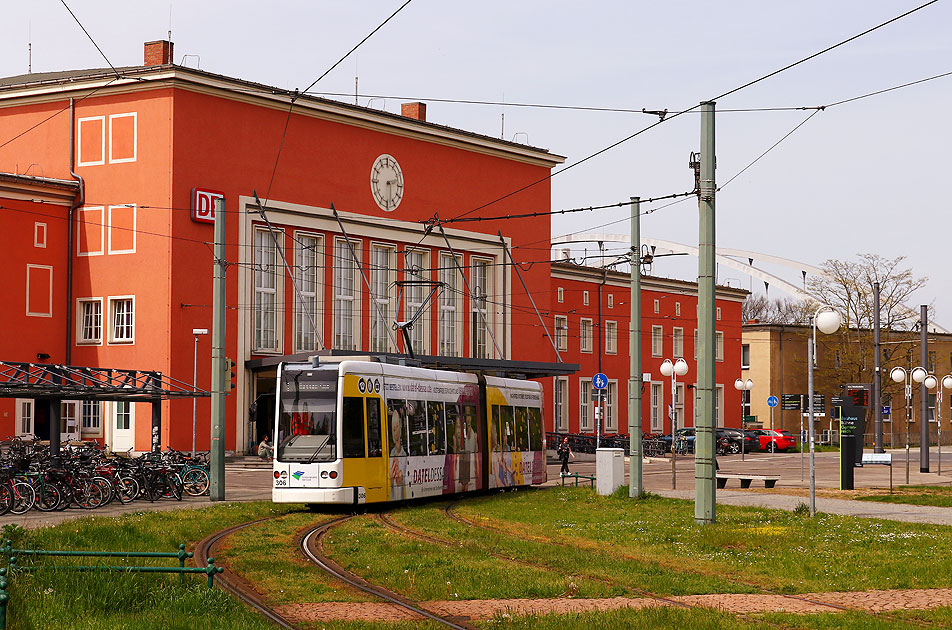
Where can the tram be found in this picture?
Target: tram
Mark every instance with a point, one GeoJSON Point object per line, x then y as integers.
{"type": "Point", "coordinates": [360, 431]}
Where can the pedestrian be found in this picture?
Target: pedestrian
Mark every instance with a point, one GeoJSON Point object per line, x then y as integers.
{"type": "Point", "coordinates": [564, 451]}
{"type": "Point", "coordinates": [265, 450]}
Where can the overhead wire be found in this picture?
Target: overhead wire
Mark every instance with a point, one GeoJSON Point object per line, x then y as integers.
{"type": "Point", "coordinates": [118, 76]}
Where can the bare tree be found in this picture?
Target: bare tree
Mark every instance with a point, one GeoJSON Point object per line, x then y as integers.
{"type": "Point", "coordinates": [762, 309]}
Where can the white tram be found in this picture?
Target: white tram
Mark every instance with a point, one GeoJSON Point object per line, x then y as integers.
{"type": "Point", "coordinates": [367, 432]}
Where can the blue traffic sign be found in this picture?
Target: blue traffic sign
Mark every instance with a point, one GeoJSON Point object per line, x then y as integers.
{"type": "Point", "coordinates": [887, 410]}
{"type": "Point", "coordinates": [773, 401]}
{"type": "Point", "coordinates": [599, 381]}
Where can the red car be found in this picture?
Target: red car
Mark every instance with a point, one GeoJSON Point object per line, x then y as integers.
{"type": "Point", "coordinates": [774, 441]}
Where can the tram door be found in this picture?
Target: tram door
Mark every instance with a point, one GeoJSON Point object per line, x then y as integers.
{"type": "Point", "coordinates": [361, 432]}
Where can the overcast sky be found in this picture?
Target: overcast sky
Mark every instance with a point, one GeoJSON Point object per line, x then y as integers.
{"type": "Point", "coordinates": [867, 176]}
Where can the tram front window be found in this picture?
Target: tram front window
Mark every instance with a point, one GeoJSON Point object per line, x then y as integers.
{"type": "Point", "coordinates": [307, 430]}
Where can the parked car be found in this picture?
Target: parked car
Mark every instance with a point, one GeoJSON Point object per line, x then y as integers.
{"type": "Point", "coordinates": [774, 441]}
{"type": "Point", "coordinates": [687, 433]}
{"type": "Point", "coordinates": [738, 439]}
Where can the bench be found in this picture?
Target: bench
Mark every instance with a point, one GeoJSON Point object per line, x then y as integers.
{"type": "Point", "coordinates": [769, 480]}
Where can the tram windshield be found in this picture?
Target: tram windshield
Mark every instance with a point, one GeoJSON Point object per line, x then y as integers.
{"type": "Point", "coordinates": [307, 420]}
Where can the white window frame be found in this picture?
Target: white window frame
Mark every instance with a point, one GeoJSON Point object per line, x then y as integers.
{"type": "Point", "coordinates": [79, 141]}
{"type": "Point", "coordinates": [656, 393]}
{"type": "Point", "coordinates": [585, 298]}
{"type": "Point", "coordinates": [560, 404]}
{"type": "Point", "coordinates": [135, 218]}
{"type": "Point", "coordinates": [39, 228]}
{"type": "Point", "coordinates": [130, 326]}
{"type": "Point", "coordinates": [562, 332]}
{"type": "Point", "coordinates": [481, 307]}
{"type": "Point", "coordinates": [561, 294]}
{"type": "Point", "coordinates": [677, 309]}
{"type": "Point", "coordinates": [268, 291]}
{"type": "Point", "coordinates": [585, 335]}
{"type": "Point", "coordinates": [695, 344]}
{"type": "Point", "coordinates": [718, 311]}
{"type": "Point", "coordinates": [117, 414]}
{"type": "Point", "coordinates": [719, 406]}
{"type": "Point", "coordinates": [382, 276]}
{"type": "Point", "coordinates": [101, 224]}
{"type": "Point", "coordinates": [611, 337]}
{"type": "Point", "coordinates": [657, 341]}
{"type": "Point", "coordinates": [81, 338]}
{"type": "Point", "coordinates": [611, 300]}
{"type": "Point", "coordinates": [90, 417]}
{"type": "Point", "coordinates": [347, 326]}
{"type": "Point", "coordinates": [309, 278]}
{"type": "Point", "coordinates": [585, 416]}
{"type": "Point", "coordinates": [719, 345]}
{"type": "Point", "coordinates": [745, 356]}
{"type": "Point", "coordinates": [135, 137]}
{"type": "Point", "coordinates": [25, 416]}
{"type": "Point", "coordinates": [657, 306]}
{"type": "Point", "coordinates": [679, 404]}
{"type": "Point", "coordinates": [611, 395]}
{"type": "Point", "coordinates": [415, 268]}
{"type": "Point", "coordinates": [48, 271]}
{"type": "Point", "coordinates": [450, 330]}
{"type": "Point", "coordinates": [677, 342]}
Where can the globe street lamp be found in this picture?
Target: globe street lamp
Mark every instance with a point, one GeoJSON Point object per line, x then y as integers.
{"type": "Point", "coordinates": [674, 370]}
{"type": "Point", "coordinates": [743, 386]}
{"type": "Point", "coordinates": [828, 322]}
{"type": "Point", "coordinates": [901, 375]}
{"type": "Point", "coordinates": [946, 383]}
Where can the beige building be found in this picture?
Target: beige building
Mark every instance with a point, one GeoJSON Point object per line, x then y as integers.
{"type": "Point", "coordinates": [774, 357]}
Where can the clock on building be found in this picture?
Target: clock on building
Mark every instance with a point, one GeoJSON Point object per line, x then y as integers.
{"type": "Point", "coordinates": [386, 182]}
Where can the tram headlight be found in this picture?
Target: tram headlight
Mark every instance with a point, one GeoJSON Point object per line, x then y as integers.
{"type": "Point", "coordinates": [323, 474]}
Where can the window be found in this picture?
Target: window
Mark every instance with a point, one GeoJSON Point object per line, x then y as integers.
{"type": "Point", "coordinates": [89, 321]}
{"type": "Point", "coordinates": [122, 318]}
{"type": "Point", "coordinates": [123, 415]}
{"type": "Point", "coordinates": [584, 412]}
{"type": "Point", "coordinates": [657, 341]}
{"type": "Point", "coordinates": [346, 296]}
{"type": "Point", "coordinates": [930, 406]}
{"type": "Point", "coordinates": [449, 306]}
{"type": "Point", "coordinates": [585, 335]}
{"type": "Point", "coordinates": [265, 290]}
{"type": "Point", "coordinates": [931, 357]}
{"type": "Point", "coordinates": [677, 342]}
{"type": "Point", "coordinates": [745, 356]}
{"type": "Point", "coordinates": [677, 309]}
{"type": "Point", "coordinates": [39, 235]}
{"type": "Point", "coordinates": [414, 262]}
{"type": "Point", "coordinates": [585, 298]}
{"type": "Point", "coordinates": [611, 422]}
{"type": "Point", "coordinates": [718, 311]}
{"type": "Point", "coordinates": [695, 344]}
{"type": "Point", "coordinates": [719, 342]}
{"type": "Point", "coordinates": [611, 300]}
{"type": "Point", "coordinates": [352, 427]}
{"type": "Point", "coordinates": [656, 402]}
{"type": "Point", "coordinates": [561, 332]}
{"type": "Point", "coordinates": [719, 407]}
{"type": "Point", "coordinates": [482, 314]}
{"type": "Point", "coordinates": [679, 405]}
{"type": "Point", "coordinates": [561, 404]}
{"type": "Point", "coordinates": [381, 269]}
{"type": "Point", "coordinates": [657, 306]}
{"type": "Point", "coordinates": [611, 337]}
{"type": "Point", "coordinates": [90, 415]}
{"type": "Point", "coordinates": [561, 294]}
{"type": "Point", "coordinates": [307, 312]}
{"type": "Point", "coordinates": [25, 411]}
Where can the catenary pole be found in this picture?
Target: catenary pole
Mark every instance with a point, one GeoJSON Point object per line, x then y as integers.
{"type": "Point", "coordinates": [704, 477]}
{"type": "Point", "coordinates": [635, 480]}
{"type": "Point", "coordinates": [877, 377]}
{"type": "Point", "coordinates": [923, 390]}
{"type": "Point", "coordinates": [216, 471]}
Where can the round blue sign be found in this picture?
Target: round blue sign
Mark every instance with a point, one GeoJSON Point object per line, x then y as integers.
{"type": "Point", "coordinates": [772, 401]}
{"type": "Point", "coordinates": [599, 381]}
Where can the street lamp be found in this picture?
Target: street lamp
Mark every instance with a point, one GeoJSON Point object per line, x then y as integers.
{"type": "Point", "coordinates": [828, 322]}
{"type": "Point", "coordinates": [674, 370]}
{"type": "Point", "coordinates": [946, 383]}
{"type": "Point", "coordinates": [196, 332]}
{"type": "Point", "coordinates": [743, 386]}
{"type": "Point", "coordinates": [901, 375]}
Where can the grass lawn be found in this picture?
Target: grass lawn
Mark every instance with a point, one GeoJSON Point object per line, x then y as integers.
{"type": "Point", "coordinates": [939, 496]}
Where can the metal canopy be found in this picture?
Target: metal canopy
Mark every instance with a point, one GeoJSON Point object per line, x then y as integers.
{"type": "Point", "coordinates": [497, 367]}
{"type": "Point", "coordinates": [67, 382]}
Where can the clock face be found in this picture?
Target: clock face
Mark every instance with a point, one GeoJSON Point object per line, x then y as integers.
{"type": "Point", "coordinates": [386, 182]}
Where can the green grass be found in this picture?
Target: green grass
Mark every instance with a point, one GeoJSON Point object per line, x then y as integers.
{"type": "Point", "coordinates": [938, 496]}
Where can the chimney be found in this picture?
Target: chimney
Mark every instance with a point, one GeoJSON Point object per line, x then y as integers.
{"type": "Point", "coordinates": [158, 53]}
{"type": "Point", "coordinates": [417, 111]}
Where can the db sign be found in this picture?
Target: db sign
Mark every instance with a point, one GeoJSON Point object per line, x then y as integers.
{"type": "Point", "coordinates": [203, 204]}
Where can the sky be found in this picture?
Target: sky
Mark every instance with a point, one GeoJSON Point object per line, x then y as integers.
{"type": "Point", "coordinates": [862, 177]}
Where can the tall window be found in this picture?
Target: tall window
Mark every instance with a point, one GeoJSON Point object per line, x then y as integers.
{"type": "Point", "coordinates": [26, 416]}
{"type": "Point", "coordinates": [679, 405]}
{"type": "Point", "coordinates": [585, 298]}
{"type": "Point", "coordinates": [381, 265]}
{"type": "Point", "coordinates": [561, 404]}
{"type": "Point", "coordinates": [90, 416]}
{"type": "Point", "coordinates": [678, 342]}
{"type": "Point", "coordinates": [656, 403]}
{"type": "Point", "coordinates": [695, 344]}
{"type": "Point", "coordinates": [611, 337]}
{"type": "Point", "coordinates": [265, 291]}
{"type": "Point", "coordinates": [561, 295]}
{"type": "Point", "coordinates": [414, 270]}
{"type": "Point", "coordinates": [123, 415]}
{"type": "Point", "coordinates": [307, 313]}
{"type": "Point", "coordinates": [482, 312]}
{"type": "Point", "coordinates": [677, 309]}
{"type": "Point", "coordinates": [745, 356]}
{"type": "Point", "coordinates": [122, 328]}
{"type": "Point", "coordinates": [719, 341]}
{"type": "Point", "coordinates": [719, 407]}
{"type": "Point", "coordinates": [930, 406]}
{"type": "Point", "coordinates": [611, 424]}
{"type": "Point", "coordinates": [657, 306]}
{"type": "Point", "coordinates": [561, 332]}
{"type": "Point", "coordinates": [657, 341]}
{"type": "Point", "coordinates": [584, 410]}
{"type": "Point", "coordinates": [449, 306]}
{"type": "Point", "coordinates": [346, 311]}
{"type": "Point", "coordinates": [89, 321]}
{"type": "Point", "coordinates": [611, 300]}
{"type": "Point", "coordinates": [745, 403]}
{"type": "Point", "coordinates": [585, 334]}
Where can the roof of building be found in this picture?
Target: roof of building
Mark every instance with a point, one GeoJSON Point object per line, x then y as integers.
{"type": "Point", "coordinates": [75, 79]}
{"type": "Point", "coordinates": [38, 189]}
{"type": "Point", "coordinates": [655, 283]}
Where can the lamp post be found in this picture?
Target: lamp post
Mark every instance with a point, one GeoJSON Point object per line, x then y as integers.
{"type": "Point", "coordinates": [828, 322]}
{"type": "Point", "coordinates": [196, 332]}
{"type": "Point", "coordinates": [901, 375]}
{"type": "Point", "coordinates": [743, 386]}
{"type": "Point", "coordinates": [946, 383]}
{"type": "Point", "coordinates": [674, 370]}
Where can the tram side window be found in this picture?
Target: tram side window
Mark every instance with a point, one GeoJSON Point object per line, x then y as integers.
{"type": "Point", "coordinates": [374, 447]}
{"type": "Point", "coordinates": [353, 429]}
{"type": "Point", "coordinates": [416, 414]}
{"type": "Point", "coordinates": [470, 427]}
{"type": "Point", "coordinates": [494, 430]}
{"type": "Point", "coordinates": [454, 429]}
{"type": "Point", "coordinates": [436, 428]}
{"type": "Point", "coordinates": [522, 429]}
{"type": "Point", "coordinates": [507, 428]}
{"type": "Point", "coordinates": [397, 413]}
{"type": "Point", "coordinates": [535, 429]}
